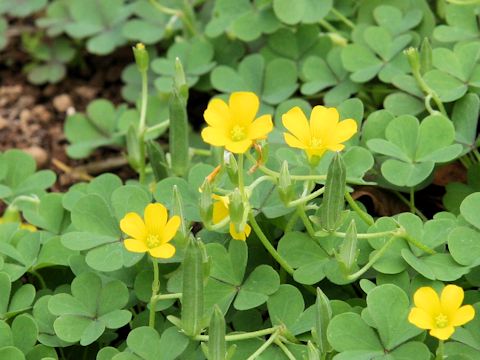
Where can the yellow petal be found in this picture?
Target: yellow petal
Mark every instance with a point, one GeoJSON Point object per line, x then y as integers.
{"type": "Point", "coordinates": [220, 212]}
{"type": "Point", "coordinates": [315, 152]}
{"type": "Point", "coordinates": [239, 147]}
{"type": "Point", "coordinates": [171, 229]}
{"type": "Point", "coordinates": [163, 251]}
{"type": "Point", "coordinates": [442, 334]}
{"type": "Point", "coordinates": [260, 128]}
{"type": "Point", "coordinates": [292, 141]}
{"type": "Point", "coordinates": [451, 299]}
{"type": "Point", "coordinates": [462, 315]}
{"type": "Point", "coordinates": [323, 122]}
{"type": "Point", "coordinates": [427, 299]}
{"type": "Point", "coordinates": [215, 136]}
{"type": "Point", "coordinates": [217, 114]}
{"type": "Point", "coordinates": [155, 218]}
{"type": "Point", "coordinates": [421, 319]}
{"type": "Point", "coordinates": [240, 235]}
{"type": "Point", "coordinates": [335, 147]}
{"type": "Point", "coordinates": [132, 225]}
{"type": "Point", "coordinates": [345, 130]}
{"type": "Point", "coordinates": [243, 107]}
{"type": "Point", "coordinates": [134, 245]}
{"type": "Point", "coordinates": [296, 122]}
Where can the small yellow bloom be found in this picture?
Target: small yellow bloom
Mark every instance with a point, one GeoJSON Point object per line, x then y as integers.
{"type": "Point", "coordinates": [220, 212]}
{"type": "Point", "coordinates": [233, 125]}
{"type": "Point", "coordinates": [153, 234]}
{"type": "Point", "coordinates": [440, 315]}
{"type": "Point", "coordinates": [323, 132]}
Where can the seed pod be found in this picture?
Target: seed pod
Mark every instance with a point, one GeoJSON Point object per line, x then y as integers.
{"type": "Point", "coordinates": [323, 315]}
{"type": "Point", "coordinates": [425, 56]}
{"type": "Point", "coordinates": [178, 210]}
{"type": "Point", "coordinates": [206, 202]}
{"type": "Point", "coordinates": [192, 292]}
{"type": "Point", "coordinates": [216, 336]}
{"type": "Point", "coordinates": [330, 212]}
{"type": "Point", "coordinates": [349, 249]}
{"type": "Point", "coordinates": [178, 134]}
{"type": "Point", "coordinates": [135, 153]}
{"type": "Point", "coordinates": [313, 353]}
{"type": "Point", "coordinates": [235, 206]}
{"type": "Point", "coordinates": [231, 166]}
{"type": "Point", "coordinates": [285, 185]}
{"type": "Point", "coordinates": [157, 159]}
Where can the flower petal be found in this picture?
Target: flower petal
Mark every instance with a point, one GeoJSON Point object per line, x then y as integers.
{"type": "Point", "coordinates": [171, 229]}
{"type": "Point", "coordinates": [442, 334]}
{"type": "Point", "coordinates": [217, 114]}
{"type": "Point", "coordinates": [260, 128]}
{"type": "Point", "coordinates": [463, 315]}
{"type": "Point", "coordinates": [345, 130]}
{"type": "Point", "coordinates": [135, 246]}
{"type": "Point", "coordinates": [133, 225]}
{"type": "Point", "coordinates": [427, 299]}
{"type": "Point", "coordinates": [243, 107]}
{"type": "Point", "coordinates": [155, 218]}
{"type": "Point", "coordinates": [163, 251]}
{"type": "Point", "coordinates": [295, 121]}
{"type": "Point", "coordinates": [323, 122]}
{"type": "Point", "coordinates": [239, 147]}
{"type": "Point", "coordinates": [451, 299]}
{"type": "Point", "coordinates": [421, 318]}
{"type": "Point", "coordinates": [215, 136]}
{"type": "Point", "coordinates": [240, 235]}
{"type": "Point", "coordinates": [335, 147]}
{"type": "Point", "coordinates": [220, 212]}
{"type": "Point", "coordinates": [292, 141]}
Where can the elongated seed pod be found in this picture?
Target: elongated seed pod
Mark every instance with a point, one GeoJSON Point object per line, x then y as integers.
{"type": "Point", "coordinates": [349, 249]}
{"type": "Point", "coordinates": [156, 155]}
{"type": "Point", "coordinates": [216, 336]}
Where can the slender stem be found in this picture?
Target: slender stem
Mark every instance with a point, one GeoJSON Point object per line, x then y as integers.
{"type": "Point", "coordinates": [372, 261]}
{"type": "Point", "coordinates": [160, 126]}
{"type": "Point", "coordinates": [370, 235]}
{"type": "Point", "coordinates": [291, 222]}
{"type": "Point", "coordinates": [264, 346]}
{"type": "Point", "coordinates": [268, 246]}
{"type": "Point", "coordinates": [417, 243]}
{"type": "Point", "coordinates": [477, 154]}
{"type": "Point", "coordinates": [40, 278]}
{"type": "Point", "coordinates": [155, 289]}
{"type": "Point", "coordinates": [242, 336]}
{"type": "Point", "coordinates": [428, 91]}
{"type": "Point", "coordinates": [259, 180]}
{"type": "Point", "coordinates": [363, 215]}
{"type": "Point", "coordinates": [218, 225]}
{"type": "Point", "coordinates": [342, 18]}
{"type": "Point", "coordinates": [440, 350]}
{"type": "Point", "coordinates": [142, 126]}
{"type": "Point", "coordinates": [406, 202]}
{"type": "Point", "coordinates": [165, 9]}
{"type": "Point", "coordinates": [412, 200]}
{"type": "Point", "coordinates": [168, 296]}
{"type": "Point", "coordinates": [285, 350]}
{"type": "Point", "coordinates": [308, 225]}
{"type": "Point", "coordinates": [328, 26]}
{"type": "Point", "coordinates": [307, 198]}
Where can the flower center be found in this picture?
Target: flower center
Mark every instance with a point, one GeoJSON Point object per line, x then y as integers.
{"type": "Point", "coordinates": [153, 241]}
{"type": "Point", "coordinates": [316, 142]}
{"type": "Point", "coordinates": [441, 320]}
{"type": "Point", "coordinates": [238, 133]}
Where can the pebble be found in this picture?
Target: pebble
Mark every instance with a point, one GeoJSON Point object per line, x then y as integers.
{"type": "Point", "coordinates": [62, 102]}
{"type": "Point", "coordinates": [39, 154]}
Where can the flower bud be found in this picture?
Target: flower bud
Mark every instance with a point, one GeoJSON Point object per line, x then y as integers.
{"type": "Point", "coordinates": [236, 207]}
{"type": "Point", "coordinates": [206, 202]}
{"type": "Point", "coordinates": [231, 166]}
{"type": "Point", "coordinates": [285, 185]}
{"type": "Point", "coordinates": [413, 59]}
{"type": "Point", "coordinates": [141, 57]}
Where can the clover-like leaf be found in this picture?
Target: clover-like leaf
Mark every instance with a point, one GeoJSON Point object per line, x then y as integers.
{"type": "Point", "coordinates": [305, 11]}
{"type": "Point", "coordinates": [274, 81]}
{"type": "Point", "coordinates": [462, 24]}
{"type": "Point", "coordinates": [18, 250]}
{"type": "Point", "coordinates": [196, 56]}
{"type": "Point", "coordinates": [148, 27]}
{"type": "Point", "coordinates": [92, 307]}
{"type": "Point", "coordinates": [457, 191]}
{"type": "Point", "coordinates": [21, 8]}
{"type": "Point", "coordinates": [13, 304]}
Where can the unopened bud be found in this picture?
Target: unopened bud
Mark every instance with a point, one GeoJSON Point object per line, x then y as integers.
{"type": "Point", "coordinates": [206, 202]}
{"type": "Point", "coordinates": [231, 166]}
{"type": "Point", "coordinates": [413, 59]}
{"type": "Point", "coordinates": [236, 206]}
{"type": "Point", "coordinates": [141, 57]}
{"type": "Point", "coordinates": [285, 185]}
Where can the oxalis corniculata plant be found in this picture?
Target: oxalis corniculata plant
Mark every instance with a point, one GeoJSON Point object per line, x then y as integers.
{"type": "Point", "coordinates": [242, 240]}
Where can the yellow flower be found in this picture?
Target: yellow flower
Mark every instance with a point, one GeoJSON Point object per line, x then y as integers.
{"type": "Point", "coordinates": [322, 133]}
{"type": "Point", "coordinates": [153, 234]}
{"type": "Point", "coordinates": [220, 212]}
{"type": "Point", "coordinates": [233, 125]}
{"type": "Point", "coordinates": [440, 315]}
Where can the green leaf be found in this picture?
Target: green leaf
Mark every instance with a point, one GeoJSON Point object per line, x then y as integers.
{"type": "Point", "coordinates": [24, 332]}
{"type": "Point", "coordinates": [464, 245]}
{"type": "Point", "coordinates": [262, 282]}
{"type": "Point", "coordinates": [445, 85]}
{"type": "Point", "coordinates": [92, 214]}
{"type": "Point", "coordinates": [470, 208]}
{"type": "Point", "coordinates": [285, 306]}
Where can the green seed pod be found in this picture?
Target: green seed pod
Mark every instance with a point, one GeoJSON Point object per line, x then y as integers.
{"type": "Point", "coordinates": [216, 336]}
{"type": "Point", "coordinates": [323, 315]}
{"type": "Point", "coordinates": [135, 153]}
{"type": "Point", "coordinates": [349, 249]}
{"type": "Point", "coordinates": [141, 57]}
{"type": "Point", "coordinates": [192, 292]}
{"type": "Point", "coordinates": [231, 166]}
{"type": "Point", "coordinates": [285, 185]}
{"type": "Point", "coordinates": [179, 81]}
{"type": "Point", "coordinates": [330, 212]}
{"type": "Point", "coordinates": [206, 202]}
{"type": "Point", "coordinates": [178, 134]}
{"type": "Point", "coordinates": [178, 210]}
{"type": "Point", "coordinates": [231, 351]}
{"type": "Point", "coordinates": [157, 159]}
